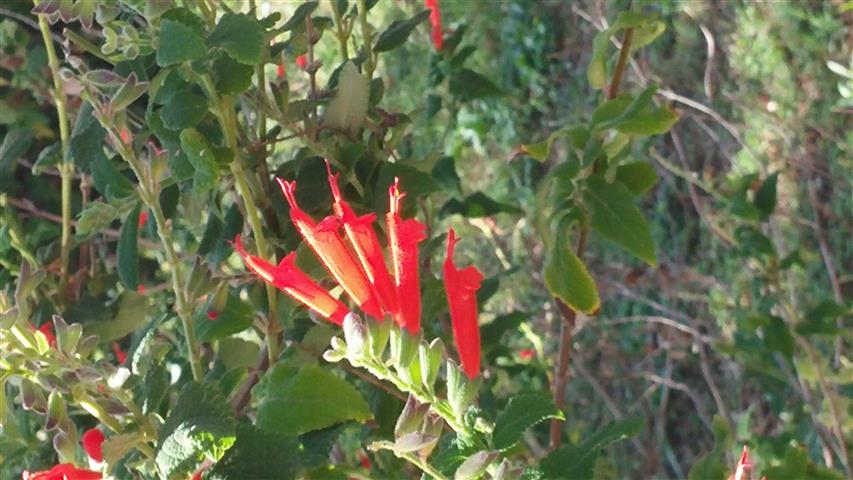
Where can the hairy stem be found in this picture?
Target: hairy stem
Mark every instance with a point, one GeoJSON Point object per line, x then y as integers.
{"type": "Point", "coordinates": [66, 167]}
{"type": "Point", "coordinates": [367, 37]}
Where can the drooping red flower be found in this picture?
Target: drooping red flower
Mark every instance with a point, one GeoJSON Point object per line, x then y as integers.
{"type": "Point", "coordinates": [362, 237]}
{"type": "Point", "coordinates": [92, 441]}
{"type": "Point", "coordinates": [435, 21]}
{"type": "Point", "coordinates": [527, 353]}
{"type": "Point", "coordinates": [403, 239]}
{"type": "Point", "coordinates": [290, 279]}
{"type": "Point", "coordinates": [301, 62]}
{"type": "Point", "coordinates": [280, 71]}
{"type": "Point", "coordinates": [47, 329]}
{"type": "Point", "coordinates": [143, 218]}
{"type": "Point", "coordinates": [121, 355]}
{"type": "Point", "coordinates": [63, 471]}
{"type": "Point", "coordinates": [461, 288]}
{"type": "Point", "coordinates": [324, 240]}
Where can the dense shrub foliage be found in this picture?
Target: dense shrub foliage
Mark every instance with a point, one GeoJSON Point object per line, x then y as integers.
{"type": "Point", "coordinates": [374, 239]}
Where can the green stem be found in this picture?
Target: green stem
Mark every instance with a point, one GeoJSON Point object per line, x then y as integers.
{"type": "Point", "coordinates": [340, 32]}
{"type": "Point", "coordinates": [423, 465]}
{"type": "Point", "coordinates": [228, 122]}
{"type": "Point", "coordinates": [367, 35]}
{"type": "Point", "coordinates": [66, 167]}
{"type": "Point", "coordinates": [150, 197]}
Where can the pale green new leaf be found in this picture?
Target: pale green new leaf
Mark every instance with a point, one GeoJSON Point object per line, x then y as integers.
{"type": "Point", "coordinates": [348, 109]}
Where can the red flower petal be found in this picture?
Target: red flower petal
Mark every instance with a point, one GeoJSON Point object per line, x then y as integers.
{"type": "Point", "coordinates": [362, 238]}
{"type": "Point", "coordinates": [324, 240]}
{"type": "Point", "coordinates": [403, 237]}
{"type": "Point", "coordinates": [280, 71]}
{"type": "Point", "coordinates": [47, 329]}
{"type": "Point", "coordinates": [287, 277]}
{"type": "Point", "coordinates": [743, 465]}
{"type": "Point", "coordinates": [435, 21]}
{"type": "Point", "coordinates": [301, 62]}
{"type": "Point", "coordinates": [63, 471]}
{"type": "Point", "coordinates": [143, 218]}
{"type": "Point", "coordinates": [212, 315]}
{"type": "Point", "coordinates": [461, 288]}
{"type": "Point", "coordinates": [527, 353]}
{"type": "Point", "coordinates": [92, 441]}
{"type": "Point", "coordinates": [120, 355]}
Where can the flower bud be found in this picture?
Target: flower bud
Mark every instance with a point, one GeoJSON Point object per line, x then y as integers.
{"type": "Point", "coordinates": [411, 417]}
{"type": "Point", "coordinates": [55, 411]}
{"type": "Point", "coordinates": [355, 333]}
{"type": "Point", "coordinates": [475, 465]}
{"type": "Point", "coordinates": [430, 362]}
{"type": "Point", "coordinates": [64, 447]}
{"type": "Point", "coordinates": [379, 334]}
{"type": "Point", "coordinates": [460, 390]}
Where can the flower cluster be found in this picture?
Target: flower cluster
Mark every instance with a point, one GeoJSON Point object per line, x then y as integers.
{"type": "Point", "coordinates": [347, 245]}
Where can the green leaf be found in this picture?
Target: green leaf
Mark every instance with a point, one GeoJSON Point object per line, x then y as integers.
{"type": "Point", "coordinates": [542, 150]}
{"type": "Point", "coordinates": [109, 180]}
{"type": "Point", "coordinates": [127, 253]}
{"type": "Point", "coordinates": [617, 219]}
{"type": "Point", "coordinates": [639, 177]}
{"type": "Point", "coordinates": [651, 121]}
{"type": "Point", "coordinates": [711, 465]}
{"type": "Point", "coordinates": [178, 43]}
{"type": "Point", "coordinates": [491, 333]}
{"type": "Point", "coordinates": [87, 138]}
{"type": "Point", "coordinates": [577, 461]}
{"type": "Point", "coordinates": [398, 32]}
{"type": "Point", "coordinates": [613, 112]}
{"type": "Point", "coordinates": [567, 278]}
{"type": "Point", "coordinates": [258, 455]}
{"type": "Point", "coordinates": [231, 76]}
{"type": "Point", "coordinates": [596, 73]}
{"type": "Point", "coordinates": [470, 85]}
{"type": "Point", "coordinates": [765, 197]}
{"type": "Point", "coordinates": [522, 412]}
{"type": "Point", "coordinates": [184, 111]}
{"type": "Point", "coordinates": [95, 217]}
{"type": "Point", "coordinates": [299, 15]}
{"type": "Point", "coordinates": [200, 425]}
{"type": "Point", "coordinates": [48, 157]}
{"type": "Point", "coordinates": [302, 399]}
{"type": "Point", "coordinates": [821, 320]}
{"type": "Point", "coordinates": [234, 317]}
{"type": "Point", "coordinates": [132, 313]}
{"type": "Point", "coordinates": [477, 205]}
{"type": "Point", "coordinates": [202, 159]}
{"type": "Point", "coordinates": [778, 338]}
{"type": "Point", "coordinates": [348, 109]}
{"type": "Point", "coordinates": [15, 144]}
{"type": "Point", "coordinates": [241, 35]}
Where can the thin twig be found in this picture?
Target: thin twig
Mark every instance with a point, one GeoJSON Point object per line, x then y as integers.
{"type": "Point", "coordinates": [29, 22]}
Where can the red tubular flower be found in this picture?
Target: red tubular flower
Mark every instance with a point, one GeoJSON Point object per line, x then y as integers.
{"type": "Point", "coordinates": [403, 238]}
{"type": "Point", "coordinates": [435, 21]}
{"type": "Point", "coordinates": [527, 354]}
{"type": "Point", "coordinates": [63, 471]}
{"type": "Point", "coordinates": [323, 238]}
{"type": "Point", "coordinates": [121, 356]}
{"type": "Point", "coordinates": [92, 440]}
{"type": "Point", "coordinates": [301, 62]}
{"type": "Point", "coordinates": [143, 218]}
{"type": "Point", "coordinates": [362, 237]}
{"type": "Point", "coordinates": [47, 329]}
{"type": "Point", "coordinates": [461, 288]}
{"type": "Point", "coordinates": [280, 71]}
{"type": "Point", "coordinates": [290, 279]}
{"type": "Point", "coordinates": [742, 466]}
{"type": "Point", "coordinates": [212, 315]}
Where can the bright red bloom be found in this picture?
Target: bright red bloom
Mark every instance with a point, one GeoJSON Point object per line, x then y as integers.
{"type": "Point", "coordinates": [212, 315]}
{"type": "Point", "coordinates": [140, 289]}
{"type": "Point", "coordinates": [124, 133]}
{"type": "Point", "coordinates": [362, 237]}
{"type": "Point", "coordinates": [280, 71]}
{"type": "Point", "coordinates": [324, 240]}
{"type": "Point", "coordinates": [435, 21]}
{"type": "Point", "coordinates": [527, 354]}
{"type": "Point", "coordinates": [63, 471]}
{"type": "Point", "coordinates": [301, 62]}
{"type": "Point", "coordinates": [47, 329]}
{"type": "Point", "coordinates": [403, 238]}
{"type": "Point", "coordinates": [92, 440]}
{"type": "Point", "coordinates": [461, 288]}
{"type": "Point", "coordinates": [121, 356]}
{"type": "Point", "coordinates": [742, 466]}
{"type": "Point", "coordinates": [290, 279]}
{"type": "Point", "coordinates": [143, 218]}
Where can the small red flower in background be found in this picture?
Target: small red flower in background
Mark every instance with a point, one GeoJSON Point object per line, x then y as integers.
{"type": "Point", "coordinates": [743, 466]}
{"type": "Point", "coordinates": [403, 239]}
{"type": "Point", "coordinates": [92, 441]}
{"type": "Point", "coordinates": [301, 62]}
{"type": "Point", "coordinates": [140, 288]}
{"type": "Point", "coordinates": [526, 353]}
{"type": "Point", "coordinates": [143, 218]}
{"type": "Point", "coordinates": [63, 471]}
{"type": "Point", "coordinates": [212, 315]}
{"type": "Point", "coordinates": [280, 71]}
{"type": "Point", "coordinates": [124, 133]}
{"type": "Point", "coordinates": [461, 288]}
{"type": "Point", "coordinates": [324, 240]}
{"type": "Point", "coordinates": [365, 461]}
{"type": "Point", "coordinates": [46, 328]}
{"type": "Point", "coordinates": [288, 278]}
{"type": "Point", "coordinates": [121, 356]}
{"type": "Point", "coordinates": [435, 21]}
{"type": "Point", "coordinates": [362, 238]}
